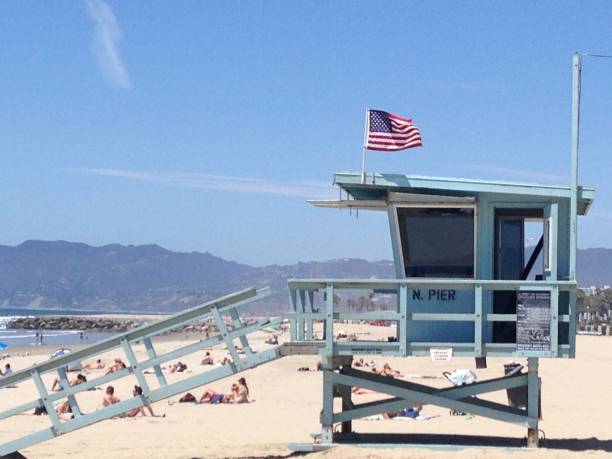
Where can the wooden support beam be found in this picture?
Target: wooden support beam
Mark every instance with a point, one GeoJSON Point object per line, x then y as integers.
{"type": "Point", "coordinates": [429, 396]}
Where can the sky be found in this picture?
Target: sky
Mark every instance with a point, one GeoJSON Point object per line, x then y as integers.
{"type": "Point", "coordinates": [205, 126]}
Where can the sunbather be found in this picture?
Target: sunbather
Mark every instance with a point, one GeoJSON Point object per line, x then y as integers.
{"type": "Point", "coordinates": [7, 370]}
{"type": "Point", "coordinates": [177, 367]}
{"type": "Point", "coordinates": [97, 365]}
{"type": "Point", "coordinates": [211, 396]}
{"type": "Point", "coordinates": [242, 394]}
{"type": "Point", "coordinates": [207, 360]}
{"type": "Point", "coordinates": [109, 397]}
{"type": "Point", "coordinates": [57, 385]}
{"type": "Point", "coordinates": [137, 392]}
{"type": "Point", "coordinates": [118, 365]}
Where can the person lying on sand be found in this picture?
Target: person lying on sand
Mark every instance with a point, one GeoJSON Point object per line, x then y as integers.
{"type": "Point", "coordinates": [317, 368]}
{"type": "Point", "coordinates": [97, 365]}
{"type": "Point", "coordinates": [413, 412]}
{"type": "Point", "coordinates": [213, 397]}
{"type": "Point", "coordinates": [109, 397]}
{"type": "Point", "coordinates": [386, 370]}
{"type": "Point", "coordinates": [118, 365]}
{"type": "Point", "coordinates": [362, 391]}
{"type": "Point", "coordinates": [57, 385]}
{"type": "Point", "coordinates": [177, 367]}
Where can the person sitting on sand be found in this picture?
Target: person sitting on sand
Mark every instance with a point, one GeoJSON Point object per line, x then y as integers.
{"type": "Point", "coordinates": [97, 365]}
{"type": "Point", "coordinates": [242, 394]}
{"type": "Point", "coordinates": [118, 365]}
{"type": "Point", "coordinates": [272, 340]}
{"type": "Point", "coordinates": [7, 370]}
{"type": "Point", "coordinates": [388, 371]}
{"type": "Point", "coordinates": [64, 408]}
{"type": "Point", "coordinates": [57, 385]}
{"type": "Point", "coordinates": [109, 397]}
{"type": "Point", "coordinates": [207, 360]}
{"type": "Point", "coordinates": [137, 392]}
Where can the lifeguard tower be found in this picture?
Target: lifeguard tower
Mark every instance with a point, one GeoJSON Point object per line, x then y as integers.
{"type": "Point", "coordinates": [470, 281]}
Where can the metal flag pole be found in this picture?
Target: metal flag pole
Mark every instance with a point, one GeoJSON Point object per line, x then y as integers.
{"type": "Point", "coordinates": [365, 141]}
{"type": "Point", "coordinates": [577, 68]}
{"type": "Point", "coordinates": [576, 88]}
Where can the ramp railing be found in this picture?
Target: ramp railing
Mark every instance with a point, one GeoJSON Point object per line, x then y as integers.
{"type": "Point", "coordinates": [228, 334]}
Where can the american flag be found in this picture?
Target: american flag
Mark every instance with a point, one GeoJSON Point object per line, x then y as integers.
{"type": "Point", "coordinates": [389, 132]}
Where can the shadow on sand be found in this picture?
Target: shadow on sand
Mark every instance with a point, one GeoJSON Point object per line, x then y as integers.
{"type": "Point", "coordinates": [570, 444]}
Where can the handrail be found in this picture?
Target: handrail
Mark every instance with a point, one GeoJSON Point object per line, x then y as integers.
{"type": "Point", "coordinates": [183, 318]}
{"type": "Point", "coordinates": [489, 284]}
{"type": "Point", "coordinates": [135, 366]}
{"type": "Point", "coordinates": [305, 312]}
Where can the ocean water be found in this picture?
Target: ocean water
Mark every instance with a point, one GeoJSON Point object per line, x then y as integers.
{"type": "Point", "coordinates": [20, 337]}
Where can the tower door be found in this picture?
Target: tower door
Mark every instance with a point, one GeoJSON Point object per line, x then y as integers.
{"type": "Point", "coordinates": [519, 235]}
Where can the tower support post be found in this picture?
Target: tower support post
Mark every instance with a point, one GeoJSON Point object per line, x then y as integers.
{"type": "Point", "coordinates": [533, 400]}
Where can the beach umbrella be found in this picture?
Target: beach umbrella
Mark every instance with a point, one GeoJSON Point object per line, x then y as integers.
{"type": "Point", "coordinates": [3, 346]}
{"type": "Point", "coordinates": [61, 351]}
{"type": "Point", "coordinates": [72, 366]}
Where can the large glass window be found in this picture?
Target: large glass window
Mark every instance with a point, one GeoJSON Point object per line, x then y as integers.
{"type": "Point", "coordinates": [436, 241]}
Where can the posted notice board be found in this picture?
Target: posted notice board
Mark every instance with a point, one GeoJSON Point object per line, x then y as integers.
{"type": "Point", "coordinates": [533, 321]}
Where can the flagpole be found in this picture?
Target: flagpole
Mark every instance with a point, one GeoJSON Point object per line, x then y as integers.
{"type": "Point", "coordinates": [577, 67]}
{"type": "Point", "coordinates": [365, 140]}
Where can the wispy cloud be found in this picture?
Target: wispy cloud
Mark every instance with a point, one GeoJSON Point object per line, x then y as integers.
{"type": "Point", "coordinates": [105, 46]}
{"type": "Point", "coordinates": [304, 189]}
{"type": "Point", "coordinates": [515, 174]}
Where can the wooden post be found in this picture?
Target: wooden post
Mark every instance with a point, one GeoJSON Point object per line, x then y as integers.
{"type": "Point", "coordinates": [533, 400]}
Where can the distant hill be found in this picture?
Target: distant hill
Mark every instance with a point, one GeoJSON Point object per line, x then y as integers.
{"type": "Point", "coordinates": [594, 267]}
{"type": "Point", "coordinates": [60, 274]}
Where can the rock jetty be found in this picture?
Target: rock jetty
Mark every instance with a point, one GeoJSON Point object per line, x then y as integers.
{"type": "Point", "coordinates": [97, 324]}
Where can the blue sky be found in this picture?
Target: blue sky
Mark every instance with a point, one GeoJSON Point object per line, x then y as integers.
{"type": "Point", "coordinates": [205, 125]}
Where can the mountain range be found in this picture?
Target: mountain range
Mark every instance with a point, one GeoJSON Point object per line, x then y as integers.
{"type": "Point", "coordinates": [149, 278]}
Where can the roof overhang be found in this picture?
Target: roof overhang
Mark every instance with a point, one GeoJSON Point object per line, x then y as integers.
{"type": "Point", "coordinates": [386, 187]}
{"type": "Point", "coordinates": [394, 198]}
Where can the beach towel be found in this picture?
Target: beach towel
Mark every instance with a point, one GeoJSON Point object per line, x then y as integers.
{"type": "Point", "coordinates": [461, 376]}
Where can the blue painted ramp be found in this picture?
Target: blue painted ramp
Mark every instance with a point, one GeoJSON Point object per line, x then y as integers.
{"type": "Point", "coordinates": [224, 314]}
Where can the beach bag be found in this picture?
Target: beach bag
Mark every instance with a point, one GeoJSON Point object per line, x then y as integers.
{"type": "Point", "coordinates": [187, 398]}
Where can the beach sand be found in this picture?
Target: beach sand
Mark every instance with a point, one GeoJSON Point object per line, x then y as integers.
{"type": "Point", "coordinates": [576, 404]}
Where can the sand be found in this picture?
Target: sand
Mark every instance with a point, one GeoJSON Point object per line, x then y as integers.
{"type": "Point", "coordinates": [577, 404]}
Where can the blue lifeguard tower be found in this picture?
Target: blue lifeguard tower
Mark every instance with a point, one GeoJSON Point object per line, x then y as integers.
{"type": "Point", "coordinates": [469, 280]}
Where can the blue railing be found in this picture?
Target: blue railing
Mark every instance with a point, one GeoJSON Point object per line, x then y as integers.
{"type": "Point", "coordinates": [313, 305]}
